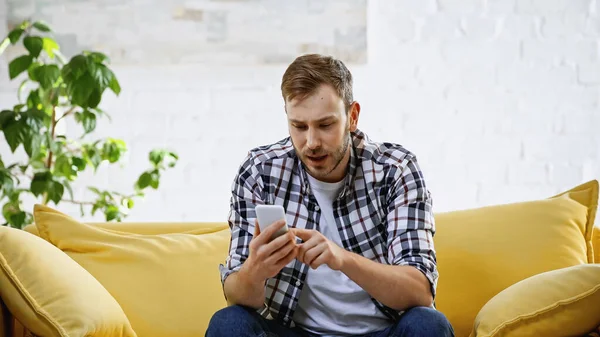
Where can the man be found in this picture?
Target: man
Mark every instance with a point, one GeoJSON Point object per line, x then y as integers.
{"type": "Point", "coordinates": [359, 257]}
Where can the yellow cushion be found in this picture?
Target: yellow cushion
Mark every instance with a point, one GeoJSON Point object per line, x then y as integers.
{"type": "Point", "coordinates": [596, 242]}
{"type": "Point", "coordinates": [167, 284]}
{"type": "Point", "coordinates": [152, 228]}
{"type": "Point", "coordinates": [485, 250]}
{"type": "Point", "coordinates": [566, 300]}
{"type": "Point", "coordinates": [51, 294]}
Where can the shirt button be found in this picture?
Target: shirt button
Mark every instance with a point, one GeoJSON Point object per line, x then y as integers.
{"type": "Point", "coordinates": [298, 283]}
{"type": "Point", "coordinates": [317, 208]}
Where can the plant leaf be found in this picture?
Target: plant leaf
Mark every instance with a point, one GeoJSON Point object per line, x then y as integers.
{"type": "Point", "coordinates": [19, 65]}
{"type": "Point", "coordinates": [18, 220]}
{"type": "Point", "coordinates": [113, 149]}
{"type": "Point", "coordinates": [15, 35]}
{"type": "Point", "coordinates": [40, 182]}
{"type": "Point", "coordinates": [114, 85]}
{"type": "Point", "coordinates": [47, 75]}
{"type": "Point", "coordinates": [156, 157]}
{"type": "Point", "coordinates": [112, 213]}
{"type": "Point", "coordinates": [69, 188]}
{"type": "Point", "coordinates": [50, 46]}
{"type": "Point", "coordinates": [144, 180]}
{"type": "Point", "coordinates": [32, 145]}
{"type": "Point", "coordinates": [55, 191]}
{"type": "Point", "coordinates": [82, 89]}
{"type": "Point", "coordinates": [6, 181]}
{"type": "Point", "coordinates": [16, 133]}
{"type": "Point", "coordinates": [7, 117]}
{"type": "Point", "coordinates": [87, 120]}
{"type": "Point", "coordinates": [94, 189]}
{"type": "Point", "coordinates": [32, 70]}
{"type": "Point", "coordinates": [97, 57]}
{"type": "Point", "coordinates": [78, 65]}
{"type": "Point", "coordinates": [41, 26]}
{"type": "Point", "coordinates": [34, 119]}
{"type": "Point", "coordinates": [155, 178]}
{"type": "Point", "coordinates": [33, 100]}
{"type": "Point", "coordinates": [62, 166]}
{"type": "Point", "coordinates": [34, 45]}
{"type": "Point", "coordinates": [79, 163]}
{"type": "Point", "coordinates": [95, 98]}
{"type": "Point", "coordinates": [102, 75]}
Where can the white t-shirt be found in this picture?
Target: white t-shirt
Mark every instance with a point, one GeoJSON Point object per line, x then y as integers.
{"type": "Point", "coordinates": [330, 303]}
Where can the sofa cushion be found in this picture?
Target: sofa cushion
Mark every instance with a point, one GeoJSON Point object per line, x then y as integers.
{"type": "Point", "coordinates": [485, 250]}
{"type": "Point", "coordinates": [565, 300]}
{"type": "Point", "coordinates": [596, 243]}
{"type": "Point", "coordinates": [53, 295]}
{"type": "Point", "coordinates": [167, 284]}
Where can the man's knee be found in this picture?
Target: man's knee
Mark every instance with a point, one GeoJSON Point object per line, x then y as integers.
{"type": "Point", "coordinates": [424, 321]}
{"type": "Point", "coordinates": [229, 320]}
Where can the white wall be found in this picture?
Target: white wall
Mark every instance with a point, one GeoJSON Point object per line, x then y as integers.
{"type": "Point", "coordinates": [499, 99]}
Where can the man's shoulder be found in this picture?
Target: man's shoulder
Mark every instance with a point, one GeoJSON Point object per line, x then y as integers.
{"type": "Point", "coordinates": [382, 153]}
{"type": "Point", "coordinates": [268, 153]}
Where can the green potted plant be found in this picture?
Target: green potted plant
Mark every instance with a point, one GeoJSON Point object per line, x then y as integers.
{"type": "Point", "coordinates": [52, 90]}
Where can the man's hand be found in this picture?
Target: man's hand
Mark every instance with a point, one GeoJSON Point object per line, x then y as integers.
{"type": "Point", "coordinates": [317, 250]}
{"type": "Point", "coordinates": [267, 258]}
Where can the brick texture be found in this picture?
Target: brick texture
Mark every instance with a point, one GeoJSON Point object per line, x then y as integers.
{"type": "Point", "coordinates": [500, 100]}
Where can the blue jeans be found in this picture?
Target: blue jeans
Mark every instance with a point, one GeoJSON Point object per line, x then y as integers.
{"type": "Point", "coordinates": [245, 322]}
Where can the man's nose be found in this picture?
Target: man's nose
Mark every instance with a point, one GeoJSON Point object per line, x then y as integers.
{"type": "Point", "coordinates": [312, 140]}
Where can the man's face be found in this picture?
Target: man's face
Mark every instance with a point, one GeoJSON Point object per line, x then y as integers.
{"type": "Point", "coordinates": [320, 131]}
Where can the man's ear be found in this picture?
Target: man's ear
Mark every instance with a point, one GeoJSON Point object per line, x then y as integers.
{"type": "Point", "coordinates": [353, 115]}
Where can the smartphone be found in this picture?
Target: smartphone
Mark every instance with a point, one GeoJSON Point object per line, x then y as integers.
{"type": "Point", "coordinates": [269, 214]}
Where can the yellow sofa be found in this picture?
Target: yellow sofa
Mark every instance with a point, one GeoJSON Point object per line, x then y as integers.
{"type": "Point", "coordinates": [520, 269]}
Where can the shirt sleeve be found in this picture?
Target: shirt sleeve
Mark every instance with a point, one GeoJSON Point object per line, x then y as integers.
{"type": "Point", "coordinates": [410, 222]}
{"type": "Point", "coordinates": [245, 194]}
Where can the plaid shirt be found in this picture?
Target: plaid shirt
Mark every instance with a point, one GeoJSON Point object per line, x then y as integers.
{"type": "Point", "coordinates": [383, 212]}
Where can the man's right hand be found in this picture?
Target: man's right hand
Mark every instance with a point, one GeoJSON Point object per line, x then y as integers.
{"type": "Point", "coordinates": [267, 258]}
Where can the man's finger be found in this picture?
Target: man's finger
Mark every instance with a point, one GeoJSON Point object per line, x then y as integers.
{"type": "Point", "coordinates": [321, 259]}
{"type": "Point", "coordinates": [302, 233]}
{"type": "Point", "coordinates": [269, 231]}
{"type": "Point", "coordinates": [312, 253]}
{"type": "Point", "coordinates": [305, 247]}
{"type": "Point", "coordinates": [256, 228]}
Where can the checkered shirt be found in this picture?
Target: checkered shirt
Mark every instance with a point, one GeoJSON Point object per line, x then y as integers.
{"type": "Point", "coordinates": [383, 212]}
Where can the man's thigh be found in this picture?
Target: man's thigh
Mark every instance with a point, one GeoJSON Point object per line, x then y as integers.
{"type": "Point", "coordinates": [420, 321]}
{"type": "Point", "coordinates": [245, 322]}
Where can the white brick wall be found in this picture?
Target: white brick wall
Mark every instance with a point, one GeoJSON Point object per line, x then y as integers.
{"type": "Point", "coordinates": [500, 100]}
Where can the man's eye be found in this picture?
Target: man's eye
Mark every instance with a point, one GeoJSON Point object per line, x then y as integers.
{"type": "Point", "coordinates": [325, 126]}
{"type": "Point", "coordinates": [300, 127]}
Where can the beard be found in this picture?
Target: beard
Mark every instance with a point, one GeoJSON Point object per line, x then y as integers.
{"type": "Point", "coordinates": [333, 160]}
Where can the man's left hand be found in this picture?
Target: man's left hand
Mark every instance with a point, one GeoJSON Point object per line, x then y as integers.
{"type": "Point", "coordinates": [317, 250]}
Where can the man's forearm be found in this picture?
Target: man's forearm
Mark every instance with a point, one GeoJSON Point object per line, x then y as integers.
{"type": "Point", "coordinates": [240, 289]}
{"type": "Point", "coordinates": [398, 287]}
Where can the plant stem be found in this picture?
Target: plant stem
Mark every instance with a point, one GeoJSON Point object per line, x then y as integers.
{"type": "Point", "coordinates": [52, 131]}
{"type": "Point", "coordinates": [49, 161]}
{"type": "Point", "coordinates": [78, 202]}
{"type": "Point", "coordinates": [70, 111]}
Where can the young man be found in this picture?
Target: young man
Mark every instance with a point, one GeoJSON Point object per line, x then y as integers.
{"type": "Point", "coordinates": [359, 258]}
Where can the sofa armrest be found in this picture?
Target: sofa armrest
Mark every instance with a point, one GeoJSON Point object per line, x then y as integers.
{"type": "Point", "coordinates": [5, 318]}
{"type": "Point", "coordinates": [9, 326]}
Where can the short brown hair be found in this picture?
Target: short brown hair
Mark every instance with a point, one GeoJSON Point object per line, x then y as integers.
{"type": "Point", "coordinates": [308, 72]}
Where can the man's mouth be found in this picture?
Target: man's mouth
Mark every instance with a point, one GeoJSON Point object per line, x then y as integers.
{"type": "Point", "coordinates": [317, 159]}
